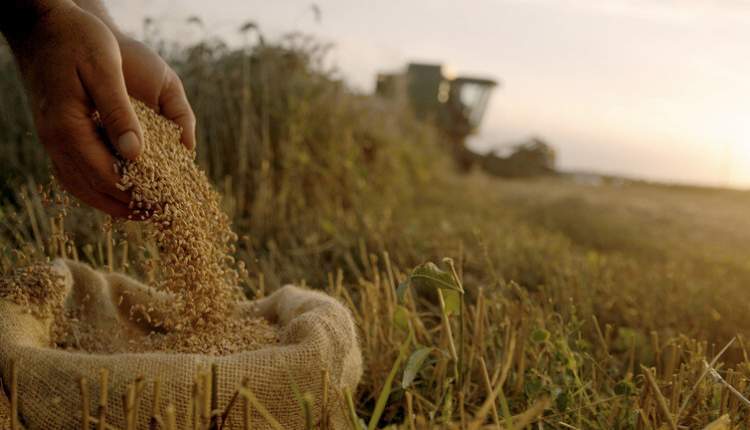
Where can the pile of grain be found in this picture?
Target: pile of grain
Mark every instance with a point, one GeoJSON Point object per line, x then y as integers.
{"type": "Point", "coordinates": [227, 337]}
{"type": "Point", "coordinates": [36, 288]}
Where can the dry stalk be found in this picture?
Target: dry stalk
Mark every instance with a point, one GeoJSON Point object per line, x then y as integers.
{"type": "Point", "coordinates": [103, 399]}
{"type": "Point", "coordinates": [410, 410]}
{"type": "Point", "coordinates": [258, 406]}
{"type": "Point", "coordinates": [85, 404]}
{"type": "Point", "coordinates": [700, 379]}
{"type": "Point", "coordinates": [662, 402]}
{"type": "Point", "coordinates": [324, 403]}
{"type": "Point", "coordinates": [128, 405]}
{"type": "Point", "coordinates": [155, 415]}
{"type": "Point", "coordinates": [171, 417]}
{"type": "Point", "coordinates": [14, 425]}
{"type": "Point", "coordinates": [718, 378]}
{"type": "Point", "coordinates": [247, 412]}
{"type": "Point", "coordinates": [214, 413]}
{"type": "Point", "coordinates": [488, 387]}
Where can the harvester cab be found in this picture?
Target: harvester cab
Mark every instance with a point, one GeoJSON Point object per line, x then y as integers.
{"type": "Point", "coordinates": [455, 104]}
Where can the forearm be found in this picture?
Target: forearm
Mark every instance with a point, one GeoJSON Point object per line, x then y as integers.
{"type": "Point", "coordinates": [18, 17]}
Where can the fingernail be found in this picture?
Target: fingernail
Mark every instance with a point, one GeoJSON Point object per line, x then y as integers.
{"type": "Point", "coordinates": [128, 145]}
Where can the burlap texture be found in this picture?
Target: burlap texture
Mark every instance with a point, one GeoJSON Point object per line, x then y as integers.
{"type": "Point", "coordinates": [316, 334]}
{"type": "Point", "coordinates": [4, 412]}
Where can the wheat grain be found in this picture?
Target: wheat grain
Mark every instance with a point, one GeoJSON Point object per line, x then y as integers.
{"type": "Point", "coordinates": [36, 287]}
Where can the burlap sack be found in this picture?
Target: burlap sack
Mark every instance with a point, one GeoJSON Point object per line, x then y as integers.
{"type": "Point", "coordinates": [317, 334]}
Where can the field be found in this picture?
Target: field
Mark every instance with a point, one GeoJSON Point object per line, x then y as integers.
{"type": "Point", "coordinates": [584, 305]}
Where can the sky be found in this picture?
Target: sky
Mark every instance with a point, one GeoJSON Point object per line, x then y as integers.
{"type": "Point", "coordinates": [653, 89]}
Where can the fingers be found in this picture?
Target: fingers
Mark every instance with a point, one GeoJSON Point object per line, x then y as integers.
{"type": "Point", "coordinates": [83, 163]}
{"type": "Point", "coordinates": [75, 182]}
{"type": "Point", "coordinates": [97, 162]}
{"type": "Point", "coordinates": [103, 81]}
{"type": "Point", "coordinates": [174, 105]}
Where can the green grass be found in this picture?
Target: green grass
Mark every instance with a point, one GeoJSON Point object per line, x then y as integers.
{"type": "Point", "coordinates": [572, 294]}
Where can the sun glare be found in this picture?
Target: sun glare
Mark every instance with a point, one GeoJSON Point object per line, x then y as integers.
{"type": "Point", "coordinates": [738, 152]}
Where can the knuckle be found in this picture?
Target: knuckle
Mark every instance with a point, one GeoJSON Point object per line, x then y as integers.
{"type": "Point", "coordinates": [116, 117]}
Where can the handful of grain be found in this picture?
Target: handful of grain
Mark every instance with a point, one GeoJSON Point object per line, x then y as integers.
{"type": "Point", "coordinates": [186, 222]}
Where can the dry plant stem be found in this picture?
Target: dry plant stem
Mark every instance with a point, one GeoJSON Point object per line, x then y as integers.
{"type": "Point", "coordinates": [128, 404]}
{"type": "Point", "coordinates": [214, 412]}
{"type": "Point", "coordinates": [195, 405]}
{"type": "Point", "coordinates": [324, 402]}
{"type": "Point", "coordinates": [223, 417]}
{"type": "Point", "coordinates": [462, 322]}
{"type": "Point", "coordinates": [85, 404]}
{"type": "Point", "coordinates": [155, 415]}
{"type": "Point", "coordinates": [14, 395]}
{"type": "Point", "coordinates": [477, 345]}
{"type": "Point", "coordinates": [308, 403]}
{"type": "Point", "coordinates": [103, 398]}
{"type": "Point", "coordinates": [451, 341]}
{"type": "Point", "coordinates": [207, 399]}
{"type": "Point", "coordinates": [410, 410]}
{"type": "Point", "coordinates": [532, 414]}
{"type": "Point", "coordinates": [110, 251]}
{"type": "Point", "coordinates": [461, 409]}
{"type": "Point", "coordinates": [488, 386]}
{"type": "Point", "coordinates": [171, 417]}
{"type": "Point", "coordinates": [502, 374]}
{"type": "Point", "coordinates": [352, 412]}
{"type": "Point", "coordinates": [247, 412]}
{"type": "Point", "coordinates": [700, 379]}
{"type": "Point", "coordinates": [717, 377]}
{"type": "Point", "coordinates": [270, 420]}
{"type": "Point", "coordinates": [662, 402]}
{"type": "Point", "coordinates": [498, 381]}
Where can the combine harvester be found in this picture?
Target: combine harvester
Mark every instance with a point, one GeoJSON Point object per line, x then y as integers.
{"type": "Point", "coordinates": [456, 104]}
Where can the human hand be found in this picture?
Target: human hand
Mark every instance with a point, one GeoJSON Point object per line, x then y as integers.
{"type": "Point", "coordinates": [150, 79]}
{"type": "Point", "coordinates": [73, 66]}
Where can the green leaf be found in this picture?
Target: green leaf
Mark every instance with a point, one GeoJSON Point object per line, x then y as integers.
{"type": "Point", "coordinates": [386, 391]}
{"type": "Point", "coordinates": [562, 401]}
{"type": "Point", "coordinates": [414, 365]}
{"type": "Point", "coordinates": [429, 275]}
{"type": "Point", "coordinates": [452, 302]}
{"type": "Point", "coordinates": [540, 335]}
{"type": "Point", "coordinates": [624, 388]}
{"type": "Point", "coordinates": [401, 318]}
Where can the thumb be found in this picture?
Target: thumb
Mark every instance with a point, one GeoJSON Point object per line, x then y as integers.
{"type": "Point", "coordinates": [110, 97]}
